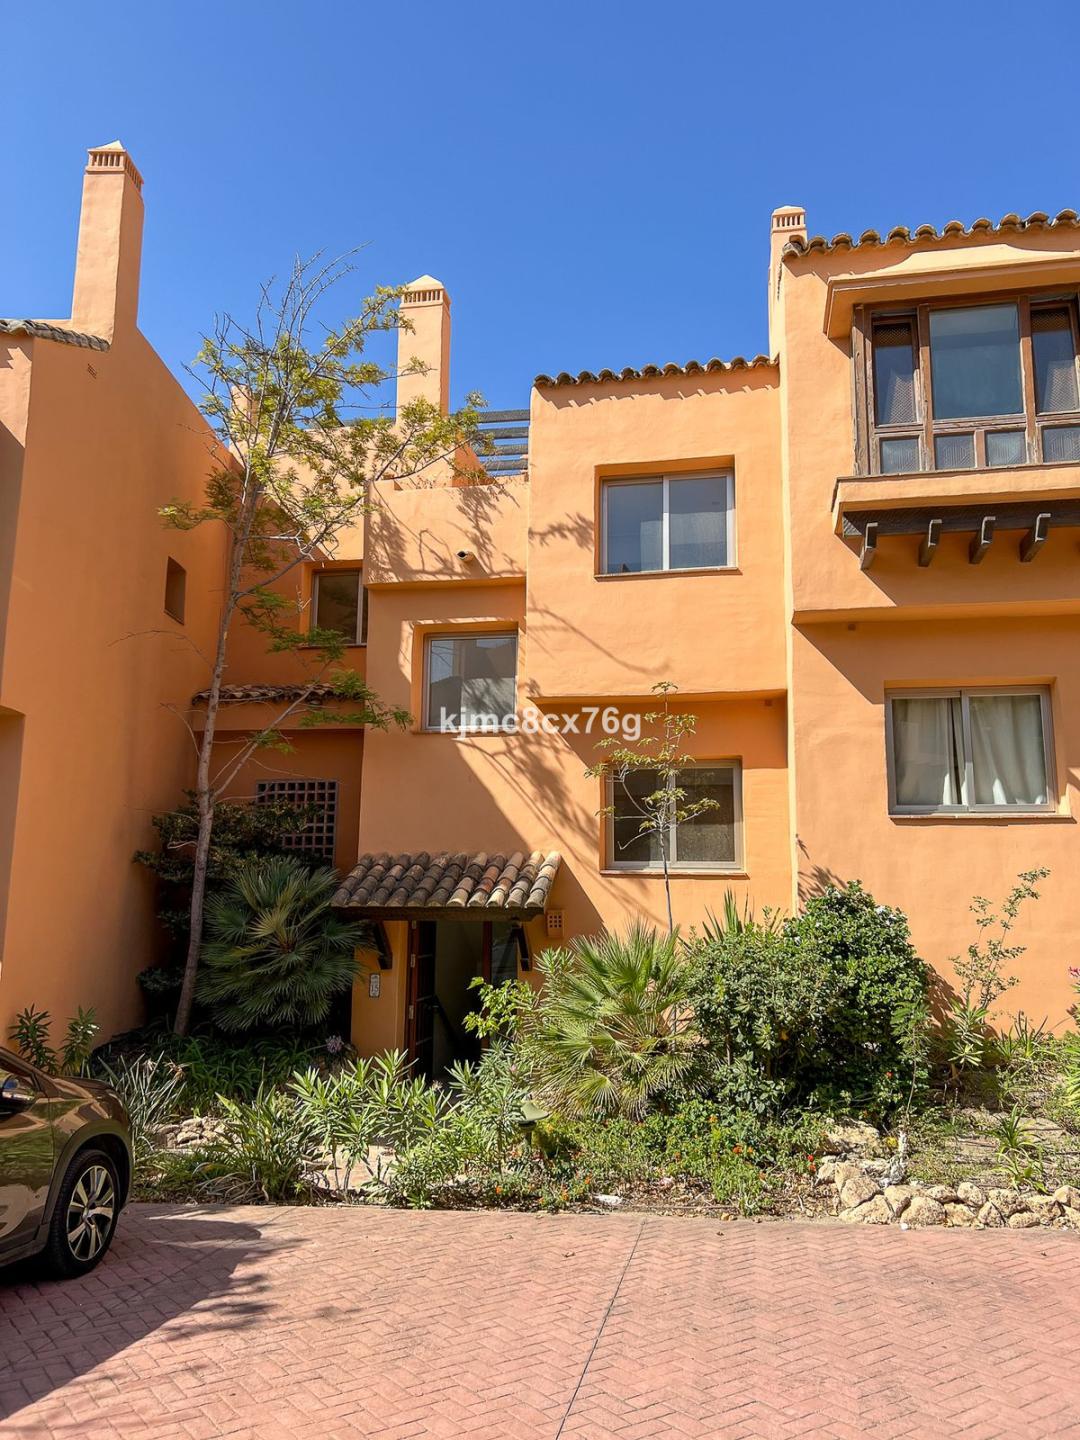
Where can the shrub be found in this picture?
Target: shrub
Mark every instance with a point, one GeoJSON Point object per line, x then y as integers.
{"type": "Point", "coordinates": [276, 954]}
{"type": "Point", "coordinates": [268, 1150]}
{"type": "Point", "coordinates": [31, 1033]}
{"type": "Point", "coordinates": [610, 1029]}
{"type": "Point", "coordinates": [823, 1010]}
{"type": "Point", "coordinates": [150, 1087]}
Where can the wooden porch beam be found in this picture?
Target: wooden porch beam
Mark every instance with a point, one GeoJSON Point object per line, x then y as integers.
{"type": "Point", "coordinates": [982, 540]}
{"type": "Point", "coordinates": [929, 543]}
{"type": "Point", "coordinates": [1035, 539]}
{"type": "Point", "coordinates": [869, 546]}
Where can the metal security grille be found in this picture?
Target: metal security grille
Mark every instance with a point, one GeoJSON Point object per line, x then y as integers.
{"type": "Point", "coordinates": [320, 798]}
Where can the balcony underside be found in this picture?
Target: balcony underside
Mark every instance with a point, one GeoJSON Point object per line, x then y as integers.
{"type": "Point", "coordinates": [1024, 525]}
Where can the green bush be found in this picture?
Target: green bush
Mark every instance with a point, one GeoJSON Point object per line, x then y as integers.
{"type": "Point", "coordinates": [151, 1088]}
{"type": "Point", "coordinates": [826, 1010]}
{"type": "Point", "coordinates": [31, 1033]}
{"type": "Point", "coordinates": [276, 955]}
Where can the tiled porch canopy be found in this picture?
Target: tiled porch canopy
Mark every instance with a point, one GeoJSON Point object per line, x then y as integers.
{"type": "Point", "coordinates": [446, 886]}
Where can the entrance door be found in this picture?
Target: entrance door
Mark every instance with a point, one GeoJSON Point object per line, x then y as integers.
{"type": "Point", "coordinates": [420, 1011]}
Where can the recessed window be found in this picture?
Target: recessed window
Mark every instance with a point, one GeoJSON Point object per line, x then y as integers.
{"type": "Point", "coordinates": [470, 682]}
{"type": "Point", "coordinates": [710, 841]}
{"type": "Point", "coordinates": [667, 522]}
{"type": "Point", "coordinates": [318, 799]}
{"type": "Point", "coordinates": [175, 589]}
{"type": "Point", "coordinates": [961, 387]}
{"type": "Point", "coordinates": [960, 750]}
{"type": "Point", "coordinates": [338, 605]}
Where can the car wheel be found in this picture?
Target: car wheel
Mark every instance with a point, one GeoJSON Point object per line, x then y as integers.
{"type": "Point", "coordinates": [85, 1216]}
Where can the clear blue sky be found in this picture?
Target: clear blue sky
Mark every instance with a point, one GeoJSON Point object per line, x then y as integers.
{"type": "Point", "coordinates": [591, 181]}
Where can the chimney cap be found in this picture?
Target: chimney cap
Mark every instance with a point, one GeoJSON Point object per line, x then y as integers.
{"type": "Point", "coordinates": [788, 217]}
{"type": "Point", "coordinates": [113, 157]}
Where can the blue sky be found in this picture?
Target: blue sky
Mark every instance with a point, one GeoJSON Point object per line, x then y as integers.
{"type": "Point", "coordinates": [592, 182]}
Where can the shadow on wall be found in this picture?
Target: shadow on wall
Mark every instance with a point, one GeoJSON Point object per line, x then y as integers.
{"type": "Point", "coordinates": [167, 1267]}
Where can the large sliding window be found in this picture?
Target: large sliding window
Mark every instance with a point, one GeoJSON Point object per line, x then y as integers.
{"type": "Point", "coordinates": [667, 522]}
{"type": "Point", "coordinates": [470, 682]}
{"type": "Point", "coordinates": [969, 750]}
{"type": "Point", "coordinates": [712, 840]}
{"type": "Point", "coordinates": [960, 387]}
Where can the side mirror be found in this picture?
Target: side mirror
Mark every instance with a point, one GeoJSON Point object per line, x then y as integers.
{"type": "Point", "coordinates": [15, 1092]}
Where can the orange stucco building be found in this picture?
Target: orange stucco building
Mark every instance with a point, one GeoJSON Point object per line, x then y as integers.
{"type": "Point", "coordinates": [855, 557]}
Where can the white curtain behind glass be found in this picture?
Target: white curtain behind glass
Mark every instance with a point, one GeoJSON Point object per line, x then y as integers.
{"type": "Point", "coordinates": [1007, 750]}
{"type": "Point", "coordinates": [928, 746]}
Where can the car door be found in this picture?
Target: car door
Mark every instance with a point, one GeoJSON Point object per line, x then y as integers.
{"type": "Point", "coordinates": [26, 1151]}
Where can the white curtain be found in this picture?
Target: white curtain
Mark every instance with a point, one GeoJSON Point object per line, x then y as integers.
{"type": "Point", "coordinates": [1007, 750]}
{"type": "Point", "coordinates": [928, 747]}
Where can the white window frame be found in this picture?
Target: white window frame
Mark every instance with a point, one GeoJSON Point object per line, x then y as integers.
{"type": "Point", "coordinates": [963, 693]}
{"type": "Point", "coordinates": [609, 481]}
{"type": "Point", "coordinates": [426, 678]}
{"type": "Point", "coordinates": [726, 867]}
{"type": "Point", "coordinates": [361, 608]}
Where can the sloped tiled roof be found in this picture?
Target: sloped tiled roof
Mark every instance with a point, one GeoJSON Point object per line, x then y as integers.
{"type": "Point", "coordinates": [653, 372]}
{"type": "Point", "coordinates": [254, 694]}
{"type": "Point", "coordinates": [901, 235]}
{"type": "Point", "coordinates": [42, 330]}
{"type": "Point", "coordinates": [480, 885]}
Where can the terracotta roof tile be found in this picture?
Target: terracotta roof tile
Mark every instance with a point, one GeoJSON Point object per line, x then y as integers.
{"type": "Point", "coordinates": [901, 235]}
{"type": "Point", "coordinates": [42, 330]}
{"type": "Point", "coordinates": [253, 694]}
{"type": "Point", "coordinates": [653, 372]}
{"type": "Point", "coordinates": [484, 885]}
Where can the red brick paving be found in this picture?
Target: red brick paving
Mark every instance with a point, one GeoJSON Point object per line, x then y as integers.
{"type": "Point", "coordinates": [339, 1323]}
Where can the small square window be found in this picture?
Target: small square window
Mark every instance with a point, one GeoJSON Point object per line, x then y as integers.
{"type": "Point", "coordinates": [175, 589]}
{"type": "Point", "coordinates": [954, 452]}
{"type": "Point", "coordinates": [899, 455]}
{"type": "Point", "coordinates": [1005, 447]}
{"type": "Point", "coordinates": [1061, 443]}
{"type": "Point", "coordinates": [339, 605]}
{"type": "Point", "coordinates": [711, 840]}
{"type": "Point", "coordinates": [470, 682]}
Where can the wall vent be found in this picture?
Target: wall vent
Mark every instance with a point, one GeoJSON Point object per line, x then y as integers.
{"type": "Point", "coordinates": [320, 797]}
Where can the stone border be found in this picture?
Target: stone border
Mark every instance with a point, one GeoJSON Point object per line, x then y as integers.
{"type": "Point", "coordinates": [864, 1200]}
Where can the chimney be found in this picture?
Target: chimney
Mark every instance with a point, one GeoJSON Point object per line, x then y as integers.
{"type": "Point", "coordinates": [106, 298]}
{"type": "Point", "coordinates": [426, 305]}
{"type": "Point", "coordinates": [788, 223]}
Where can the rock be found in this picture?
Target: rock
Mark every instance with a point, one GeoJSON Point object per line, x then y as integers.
{"type": "Point", "coordinates": [1068, 1195]}
{"type": "Point", "coordinates": [990, 1216]}
{"type": "Point", "coordinates": [870, 1212]}
{"type": "Point", "coordinates": [849, 1135]}
{"type": "Point", "coordinates": [1045, 1207]}
{"type": "Point", "coordinates": [1007, 1202]}
{"type": "Point", "coordinates": [898, 1197]}
{"type": "Point", "coordinates": [943, 1194]}
{"type": "Point", "coordinates": [957, 1214]}
{"type": "Point", "coordinates": [924, 1210]}
{"type": "Point", "coordinates": [1041, 1131]}
{"type": "Point", "coordinates": [857, 1189]}
{"type": "Point", "coordinates": [1023, 1220]}
{"type": "Point", "coordinates": [970, 1194]}
{"type": "Point", "coordinates": [610, 1200]}
{"type": "Point", "coordinates": [825, 1173]}
{"type": "Point", "coordinates": [1071, 1215]}
{"type": "Point", "coordinates": [972, 1150]}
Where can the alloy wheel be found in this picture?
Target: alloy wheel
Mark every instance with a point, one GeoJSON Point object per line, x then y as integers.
{"type": "Point", "coordinates": [90, 1213]}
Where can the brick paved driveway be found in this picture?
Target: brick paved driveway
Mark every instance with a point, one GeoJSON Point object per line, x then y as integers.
{"type": "Point", "coordinates": [303, 1323]}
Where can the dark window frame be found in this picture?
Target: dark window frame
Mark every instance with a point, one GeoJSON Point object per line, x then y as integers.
{"type": "Point", "coordinates": [925, 428]}
{"type": "Point", "coordinates": [361, 607]}
{"type": "Point", "coordinates": [735, 866]}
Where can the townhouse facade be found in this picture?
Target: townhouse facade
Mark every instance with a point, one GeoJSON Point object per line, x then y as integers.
{"type": "Point", "coordinates": [855, 557]}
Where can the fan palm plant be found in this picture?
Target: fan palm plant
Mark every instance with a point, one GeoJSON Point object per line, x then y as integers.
{"type": "Point", "coordinates": [276, 954]}
{"type": "Point", "coordinates": [611, 1026]}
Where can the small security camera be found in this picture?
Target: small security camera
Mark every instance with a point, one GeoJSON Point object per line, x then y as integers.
{"type": "Point", "coordinates": [465, 555]}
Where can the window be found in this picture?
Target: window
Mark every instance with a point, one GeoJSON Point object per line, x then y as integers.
{"type": "Point", "coordinates": [320, 799]}
{"type": "Point", "coordinates": [969, 386]}
{"type": "Point", "coordinates": [667, 522]}
{"type": "Point", "coordinates": [339, 604]}
{"type": "Point", "coordinates": [710, 841]}
{"type": "Point", "coordinates": [175, 589]}
{"type": "Point", "coordinates": [961, 750]}
{"type": "Point", "coordinates": [470, 682]}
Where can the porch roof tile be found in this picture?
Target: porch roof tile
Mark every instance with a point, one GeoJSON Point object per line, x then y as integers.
{"type": "Point", "coordinates": [480, 885]}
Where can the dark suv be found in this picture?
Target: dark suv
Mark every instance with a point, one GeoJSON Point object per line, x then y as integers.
{"type": "Point", "coordinates": [65, 1167]}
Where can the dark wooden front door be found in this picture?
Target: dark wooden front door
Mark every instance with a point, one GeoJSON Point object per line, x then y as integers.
{"type": "Point", "coordinates": [420, 1010]}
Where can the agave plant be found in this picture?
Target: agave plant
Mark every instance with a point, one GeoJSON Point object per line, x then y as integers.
{"type": "Point", "coordinates": [275, 954]}
{"type": "Point", "coordinates": [611, 1027]}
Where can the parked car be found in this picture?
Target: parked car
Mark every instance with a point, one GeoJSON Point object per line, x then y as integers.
{"type": "Point", "coordinates": [65, 1167]}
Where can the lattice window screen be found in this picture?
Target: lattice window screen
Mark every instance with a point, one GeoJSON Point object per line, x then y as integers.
{"type": "Point", "coordinates": [321, 797]}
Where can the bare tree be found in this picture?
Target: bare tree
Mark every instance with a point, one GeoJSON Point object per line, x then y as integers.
{"type": "Point", "coordinates": [294, 471]}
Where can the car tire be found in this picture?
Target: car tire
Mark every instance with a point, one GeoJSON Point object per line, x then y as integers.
{"type": "Point", "coordinates": [84, 1218]}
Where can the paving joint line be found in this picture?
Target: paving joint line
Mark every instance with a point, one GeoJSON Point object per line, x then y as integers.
{"type": "Point", "coordinates": [603, 1323]}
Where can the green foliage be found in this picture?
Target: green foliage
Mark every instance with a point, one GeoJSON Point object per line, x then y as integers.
{"type": "Point", "coordinates": [214, 1066]}
{"type": "Point", "coordinates": [31, 1033]}
{"type": "Point", "coordinates": [276, 954]}
{"type": "Point", "coordinates": [828, 1009]}
{"type": "Point", "coordinates": [608, 1032]}
{"type": "Point", "coordinates": [151, 1088]}
{"type": "Point", "coordinates": [267, 1151]}
{"type": "Point", "coordinates": [242, 833]}
{"type": "Point", "coordinates": [1019, 1158]}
